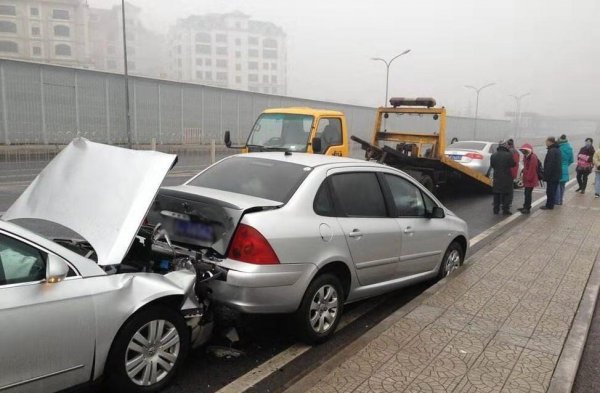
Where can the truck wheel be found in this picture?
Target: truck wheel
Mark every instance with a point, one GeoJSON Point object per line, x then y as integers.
{"type": "Point", "coordinates": [428, 183]}
{"type": "Point", "coordinates": [453, 259]}
{"type": "Point", "coordinates": [147, 351]}
{"type": "Point", "coordinates": [320, 310]}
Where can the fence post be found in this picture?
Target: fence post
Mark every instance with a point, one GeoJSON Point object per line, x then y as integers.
{"type": "Point", "coordinates": [107, 106]}
{"type": "Point", "coordinates": [43, 106]}
{"type": "Point", "coordinates": [77, 123]}
{"type": "Point", "coordinates": [153, 144]}
{"type": "Point", "coordinates": [160, 140]}
{"type": "Point", "coordinates": [181, 107]}
{"type": "Point", "coordinates": [4, 114]}
{"type": "Point", "coordinates": [212, 151]}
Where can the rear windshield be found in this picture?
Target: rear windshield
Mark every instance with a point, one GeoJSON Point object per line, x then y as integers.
{"type": "Point", "coordinates": [468, 145]}
{"type": "Point", "coordinates": [257, 177]}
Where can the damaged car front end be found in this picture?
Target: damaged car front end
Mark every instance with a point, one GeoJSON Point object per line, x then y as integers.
{"type": "Point", "coordinates": [113, 299]}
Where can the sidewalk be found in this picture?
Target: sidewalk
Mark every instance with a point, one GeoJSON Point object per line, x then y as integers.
{"type": "Point", "coordinates": [499, 325]}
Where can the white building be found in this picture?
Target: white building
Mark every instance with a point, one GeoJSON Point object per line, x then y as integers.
{"type": "Point", "coordinates": [229, 50]}
{"type": "Point", "coordinates": [52, 31]}
{"type": "Point", "coordinates": [146, 53]}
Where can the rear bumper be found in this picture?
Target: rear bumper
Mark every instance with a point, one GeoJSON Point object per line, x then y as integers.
{"type": "Point", "coordinates": [262, 289]}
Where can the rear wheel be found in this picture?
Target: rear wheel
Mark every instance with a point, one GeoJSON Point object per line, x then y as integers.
{"type": "Point", "coordinates": [147, 351]}
{"type": "Point", "coordinates": [320, 310]}
{"type": "Point", "coordinates": [453, 259]}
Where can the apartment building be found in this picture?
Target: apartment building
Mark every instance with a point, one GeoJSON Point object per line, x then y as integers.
{"type": "Point", "coordinates": [229, 50]}
{"type": "Point", "coordinates": [52, 31]}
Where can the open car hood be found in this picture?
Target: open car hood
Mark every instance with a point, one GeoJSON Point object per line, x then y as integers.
{"type": "Point", "coordinates": [101, 192]}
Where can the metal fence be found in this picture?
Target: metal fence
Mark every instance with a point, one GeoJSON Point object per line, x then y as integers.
{"type": "Point", "coordinates": [45, 104]}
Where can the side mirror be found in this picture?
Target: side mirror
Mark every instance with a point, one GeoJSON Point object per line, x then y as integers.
{"type": "Point", "coordinates": [56, 269]}
{"type": "Point", "coordinates": [437, 212]}
{"type": "Point", "coordinates": [227, 138]}
{"type": "Point", "coordinates": [316, 145]}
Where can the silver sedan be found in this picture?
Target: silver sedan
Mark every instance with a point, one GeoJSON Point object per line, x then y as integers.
{"type": "Point", "coordinates": [112, 305]}
{"type": "Point", "coordinates": [306, 234]}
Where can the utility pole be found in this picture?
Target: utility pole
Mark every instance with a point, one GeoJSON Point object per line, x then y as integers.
{"type": "Point", "coordinates": [387, 74]}
{"type": "Point", "coordinates": [126, 75]}
{"type": "Point", "coordinates": [477, 90]}
{"type": "Point", "coordinates": [518, 112]}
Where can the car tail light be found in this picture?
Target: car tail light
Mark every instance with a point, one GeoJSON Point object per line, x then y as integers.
{"type": "Point", "coordinates": [249, 245]}
{"type": "Point", "coordinates": [474, 156]}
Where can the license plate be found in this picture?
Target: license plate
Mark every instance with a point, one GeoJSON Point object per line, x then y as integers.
{"type": "Point", "coordinates": [455, 157]}
{"type": "Point", "coordinates": [194, 230]}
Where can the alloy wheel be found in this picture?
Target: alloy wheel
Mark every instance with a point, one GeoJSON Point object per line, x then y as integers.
{"type": "Point", "coordinates": [452, 261]}
{"type": "Point", "coordinates": [152, 352]}
{"type": "Point", "coordinates": [324, 308]}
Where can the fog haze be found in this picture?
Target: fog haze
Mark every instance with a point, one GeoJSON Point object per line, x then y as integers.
{"type": "Point", "coordinates": [547, 48]}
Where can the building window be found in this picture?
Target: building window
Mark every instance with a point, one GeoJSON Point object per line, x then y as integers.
{"type": "Point", "coordinates": [203, 38]}
{"type": "Point", "coordinates": [9, 46]}
{"type": "Point", "coordinates": [265, 66]}
{"type": "Point", "coordinates": [10, 10]}
{"type": "Point", "coordinates": [34, 11]}
{"type": "Point", "coordinates": [238, 54]}
{"type": "Point", "coordinates": [270, 53]}
{"type": "Point", "coordinates": [273, 78]}
{"type": "Point", "coordinates": [8, 27]}
{"type": "Point", "coordinates": [62, 31]}
{"type": "Point", "coordinates": [199, 74]}
{"type": "Point", "coordinates": [238, 41]}
{"type": "Point", "coordinates": [61, 14]}
{"type": "Point", "coordinates": [238, 79]}
{"type": "Point", "coordinates": [199, 62]}
{"type": "Point", "coordinates": [252, 52]}
{"type": "Point", "coordinates": [238, 67]}
{"type": "Point", "coordinates": [252, 65]}
{"type": "Point", "coordinates": [207, 62]}
{"type": "Point", "coordinates": [222, 63]}
{"type": "Point", "coordinates": [205, 49]}
{"type": "Point", "coordinates": [221, 38]}
{"type": "Point", "coordinates": [221, 76]}
{"type": "Point", "coordinates": [269, 43]}
{"type": "Point", "coordinates": [253, 89]}
{"type": "Point", "coordinates": [222, 50]}
{"type": "Point", "coordinates": [62, 50]}
{"type": "Point", "coordinates": [252, 40]}
{"type": "Point", "coordinates": [273, 66]}
{"type": "Point", "coordinates": [265, 79]}
{"type": "Point", "coordinates": [35, 30]}
{"type": "Point", "coordinates": [36, 51]}
{"type": "Point", "coordinates": [208, 76]}
{"type": "Point", "coordinates": [252, 78]}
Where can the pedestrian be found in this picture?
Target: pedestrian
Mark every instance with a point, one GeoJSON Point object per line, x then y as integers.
{"type": "Point", "coordinates": [515, 154]}
{"type": "Point", "coordinates": [566, 154]}
{"type": "Point", "coordinates": [552, 172]}
{"type": "Point", "coordinates": [502, 163]}
{"type": "Point", "coordinates": [597, 169]}
{"type": "Point", "coordinates": [585, 164]}
{"type": "Point", "coordinates": [530, 175]}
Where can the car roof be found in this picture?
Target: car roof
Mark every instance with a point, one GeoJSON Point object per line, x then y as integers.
{"type": "Point", "coordinates": [308, 160]}
{"type": "Point", "coordinates": [304, 110]}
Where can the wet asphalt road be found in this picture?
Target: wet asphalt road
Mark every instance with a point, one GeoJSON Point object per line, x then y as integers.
{"type": "Point", "coordinates": [262, 337]}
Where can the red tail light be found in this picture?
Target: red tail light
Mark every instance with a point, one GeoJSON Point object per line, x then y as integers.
{"type": "Point", "coordinates": [249, 245]}
{"type": "Point", "coordinates": [474, 156]}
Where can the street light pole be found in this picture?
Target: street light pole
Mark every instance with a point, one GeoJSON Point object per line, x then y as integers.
{"type": "Point", "coordinates": [387, 73]}
{"type": "Point", "coordinates": [126, 75]}
{"type": "Point", "coordinates": [477, 90]}
{"type": "Point", "coordinates": [518, 112]}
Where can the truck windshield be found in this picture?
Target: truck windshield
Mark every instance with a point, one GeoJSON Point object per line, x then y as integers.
{"type": "Point", "coordinates": [281, 131]}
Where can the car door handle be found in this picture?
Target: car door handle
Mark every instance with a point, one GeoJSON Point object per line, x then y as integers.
{"type": "Point", "coordinates": [355, 233]}
{"type": "Point", "coordinates": [408, 230]}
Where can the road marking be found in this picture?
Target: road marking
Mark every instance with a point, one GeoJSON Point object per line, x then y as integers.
{"type": "Point", "coordinates": [277, 362]}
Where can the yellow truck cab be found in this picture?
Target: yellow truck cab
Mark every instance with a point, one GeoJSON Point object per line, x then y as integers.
{"type": "Point", "coordinates": [298, 129]}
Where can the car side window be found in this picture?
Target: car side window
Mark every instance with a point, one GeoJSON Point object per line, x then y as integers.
{"type": "Point", "coordinates": [330, 132]}
{"type": "Point", "coordinates": [323, 204]}
{"type": "Point", "coordinates": [20, 262]}
{"type": "Point", "coordinates": [358, 195]}
{"type": "Point", "coordinates": [429, 203]}
{"type": "Point", "coordinates": [407, 197]}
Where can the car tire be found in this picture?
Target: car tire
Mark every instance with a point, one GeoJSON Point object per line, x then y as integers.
{"type": "Point", "coordinates": [453, 259]}
{"type": "Point", "coordinates": [320, 310]}
{"type": "Point", "coordinates": [166, 359]}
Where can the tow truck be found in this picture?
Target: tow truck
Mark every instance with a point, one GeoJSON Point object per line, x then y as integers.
{"type": "Point", "coordinates": [420, 153]}
{"type": "Point", "coordinates": [297, 129]}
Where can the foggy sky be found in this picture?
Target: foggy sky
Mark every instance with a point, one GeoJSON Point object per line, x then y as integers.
{"type": "Point", "coordinates": [550, 48]}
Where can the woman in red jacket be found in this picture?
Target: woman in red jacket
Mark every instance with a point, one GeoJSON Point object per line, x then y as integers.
{"type": "Point", "coordinates": [530, 175]}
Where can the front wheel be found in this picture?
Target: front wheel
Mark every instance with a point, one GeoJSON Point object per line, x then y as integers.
{"type": "Point", "coordinates": [147, 351]}
{"type": "Point", "coordinates": [320, 310]}
{"type": "Point", "coordinates": [453, 259]}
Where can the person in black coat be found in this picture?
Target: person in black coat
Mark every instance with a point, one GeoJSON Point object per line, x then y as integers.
{"type": "Point", "coordinates": [502, 162]}
{"type": "Point", "coordinates": [552, 172]}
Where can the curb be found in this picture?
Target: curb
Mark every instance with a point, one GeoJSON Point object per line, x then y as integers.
{"type": "Point", "coordinates": [566, 369]}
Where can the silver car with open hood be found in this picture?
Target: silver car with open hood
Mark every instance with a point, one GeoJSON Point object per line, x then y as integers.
{"type": "Point", "coordinates": [114, 300]}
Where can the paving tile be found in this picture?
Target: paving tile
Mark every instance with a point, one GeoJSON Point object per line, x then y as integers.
{"type": "Point", "coordinates": [546, 343]}
{"type": "Point", "coordinates": [347, 377]}
{"type": "Point", "coordinates": [454, 319]}
{"type": "Point", "coordinates": [430, 342]}
{"type": "Point", "coordinates": [483, 380]}
{"type": "Point", "coordinates": [482, 326]}
{"type": "Point", "coordinates": [397, 375]}
{"type": "Point", "coordinates": [467, 347]}
{"type": "Point", "coordinates": [499, 355]}
{"type": "Point", "coordinates": [425, 313]}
